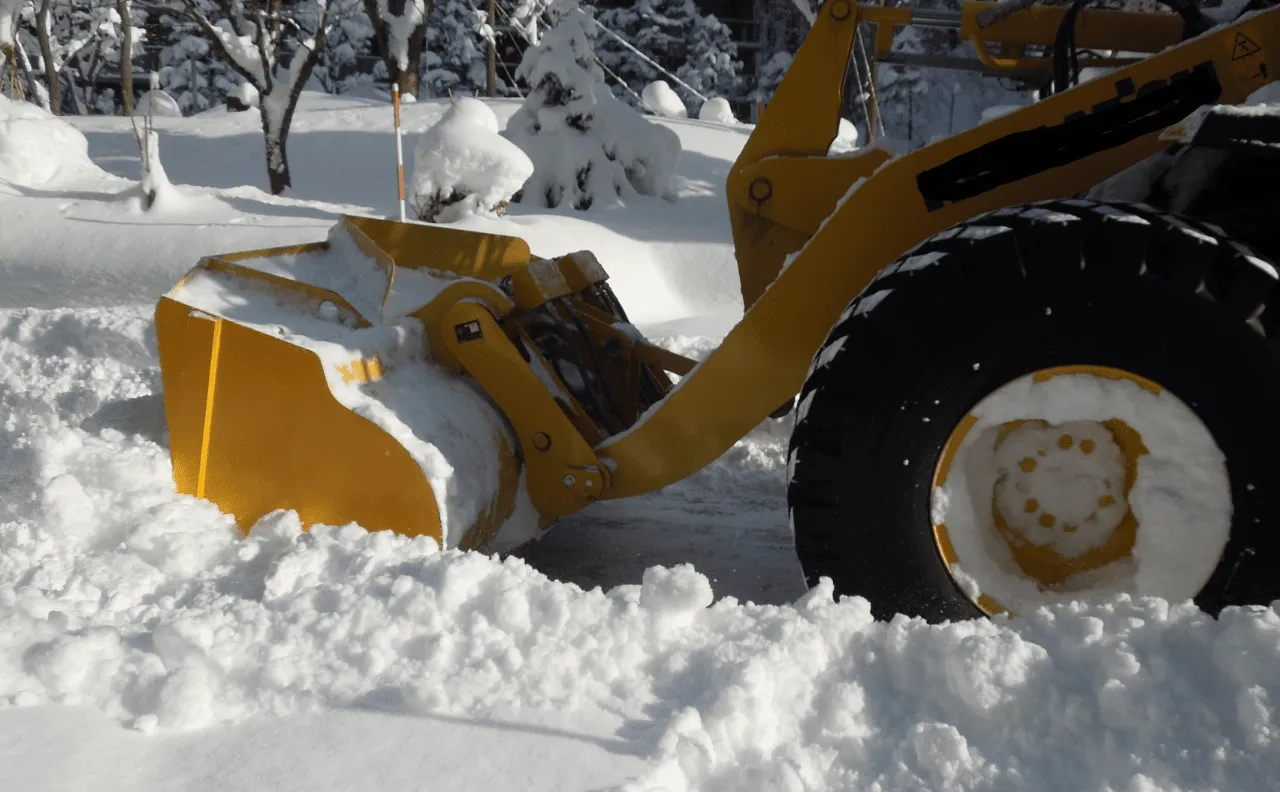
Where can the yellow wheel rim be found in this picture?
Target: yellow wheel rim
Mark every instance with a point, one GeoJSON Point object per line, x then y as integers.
{"type": "Point", "coordinates": [1047, 457]}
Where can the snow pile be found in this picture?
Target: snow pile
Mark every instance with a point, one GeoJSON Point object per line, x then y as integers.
{"type": "Point", "coordinates": [37, 149]}
{"type": "Point", "coordinates": [118, 595]}
{"type": "Point", "coordinates": [157, 103]}
{"type": "Point", "coordinates": [461, 165]}
{"type": "Point", "coordinates": [663, 101]}
{"type": "Point", "coordinates": [587, 148]}
{"type": "Point", "coordinates": [717, 111]}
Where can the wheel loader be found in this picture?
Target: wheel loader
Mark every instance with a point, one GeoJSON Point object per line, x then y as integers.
{"type": "Point", "coordinates": [1030, 361]}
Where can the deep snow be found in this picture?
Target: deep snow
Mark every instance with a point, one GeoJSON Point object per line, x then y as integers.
{"type": "Point", "coordinates": [145, 645]}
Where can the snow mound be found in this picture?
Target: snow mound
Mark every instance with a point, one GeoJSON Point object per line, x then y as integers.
{"type": "Point", "coordinates": [717, 110]}
{"type": "Point", "coordinates": [38, 149]}
{"type": "Point", "coordinates": [461, 165]}
{"type": "Point", "coordinates": [118, 595]}
{"type": "Point", "coordinates": [159, 104]}
{"type": "Point", "coordinates": [663, 101]}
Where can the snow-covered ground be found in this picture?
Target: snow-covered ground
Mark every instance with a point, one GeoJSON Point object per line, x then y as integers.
{"type": "Point", "coordinates": [144, 645]}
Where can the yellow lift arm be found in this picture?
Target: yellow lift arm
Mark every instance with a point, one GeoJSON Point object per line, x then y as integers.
{"type": "Point", "coordinates": [786, 198]}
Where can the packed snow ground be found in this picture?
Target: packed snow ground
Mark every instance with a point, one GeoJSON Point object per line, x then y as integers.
{"type": "Point", "coordinates": [145, 645]}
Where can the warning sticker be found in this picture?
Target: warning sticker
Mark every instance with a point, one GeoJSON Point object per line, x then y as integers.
{"type": "Point", "coordinates": [1244, 47]}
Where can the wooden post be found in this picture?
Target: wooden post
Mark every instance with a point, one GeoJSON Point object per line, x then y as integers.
{"type": "Point", "coordinates": [491, 58]}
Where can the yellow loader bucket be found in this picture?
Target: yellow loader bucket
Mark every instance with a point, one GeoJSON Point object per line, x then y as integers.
{"type": "Point", "coordinates": [294, 378]}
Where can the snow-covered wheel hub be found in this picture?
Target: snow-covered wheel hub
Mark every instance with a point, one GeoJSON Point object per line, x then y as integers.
{"type": "Point", "coordinates": [1076, 482]}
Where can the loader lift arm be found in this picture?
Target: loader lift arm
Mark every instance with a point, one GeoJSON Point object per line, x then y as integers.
{"type": "Point", "coordinates": [789, 202]}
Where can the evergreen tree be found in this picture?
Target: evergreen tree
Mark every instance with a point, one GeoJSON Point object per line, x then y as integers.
{"type": "Point", "coordinates": [350, 37]}
{"type": "Point", "coordinates": [189, 71]}
{"type": "Point", "coordinates": [587, 148]}
{"type": "Point", "coordinates": [455, 57]}
{"type": "Point", "coordinates": [696, 48]}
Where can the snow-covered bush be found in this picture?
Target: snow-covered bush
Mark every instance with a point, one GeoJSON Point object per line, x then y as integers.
{"type": "Point", "coordinates": [663, 101]}
{"type": "Point", "coordinates": [717, 111]}
{"type": "Point", "coordinates": [461, 165]}
{"type": "Point", "coordinates": [157, 103]}
{"type": "Point", "coordinates": [587, 148]}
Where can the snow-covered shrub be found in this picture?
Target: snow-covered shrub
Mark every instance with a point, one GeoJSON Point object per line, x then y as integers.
{"type": "Point", "coordinates": [157, 103]}
{"type": "Point", "coordinates": [717, 111]}
{"type": "Point", "coordinates": [663, 101]}
{"type": "Point", "coordinates": [587, 148]}
{"type": "Point", "coordinates": [462, 165]}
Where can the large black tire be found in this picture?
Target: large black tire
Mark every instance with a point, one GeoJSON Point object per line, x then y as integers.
{"type": "Point", "coordinates": [1065, 283]}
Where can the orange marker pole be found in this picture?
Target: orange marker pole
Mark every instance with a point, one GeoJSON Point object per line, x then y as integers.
{"type": "Point", "coordinates": [395, 100]}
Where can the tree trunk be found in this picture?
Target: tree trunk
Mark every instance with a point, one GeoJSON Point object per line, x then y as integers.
{"type": "Point", "coordinates": [276, 134]}
{"type": "Point", "coordinates": [46, 53]}
{"type": "Point", "coordinates": [126, 56]}
{"type": "Point", "coordinates": [276, 130]}
{"type": "Point", "coordinates": [406, 78]}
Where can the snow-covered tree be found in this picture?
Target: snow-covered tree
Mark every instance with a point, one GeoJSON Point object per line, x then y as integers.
{"type": "Point", "coordinates": [190, 69]}
{"type": "Point", "coordinates": [455, 57]}
{"type": "Point", "coordinates": [68, 33]}
{"type": "Point", "coordinates": [337, 71]}
{"type": "Point", "coordinates": [711, 66]}
{"type": "Point", "coordinates": [400, 29]}
{"type": "Point", "coordinates": [781, 29]}
{"type": "Point", "coordinates": [696, 48]}
{"type": "Point", "coordinates": [274, 48]}
{"type": "Point", "coordinates": [587, 148]}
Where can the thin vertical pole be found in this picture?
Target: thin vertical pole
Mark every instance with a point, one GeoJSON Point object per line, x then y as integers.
{"type": "Point", "coordinates": [491, 58]}
{"type": "Point", "coordinates": [395, 100]}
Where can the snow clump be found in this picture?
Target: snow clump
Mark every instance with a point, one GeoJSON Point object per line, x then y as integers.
{"type": "Point", "coordinates": [38, 149]}
{"type": "Point", "coordinates": [461, 165]}
{"type": "Point", "coordinates": [663, 101]}
{"type": "Point", "coordinates": [588, 149]}
{"type": "Point", "coordinates": [717, 111]}
{"type": "Point", "coordinates": [846, 139]}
